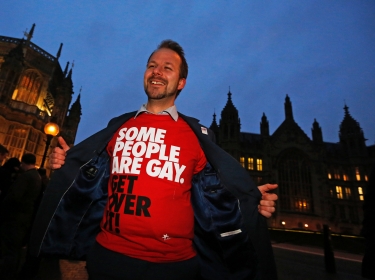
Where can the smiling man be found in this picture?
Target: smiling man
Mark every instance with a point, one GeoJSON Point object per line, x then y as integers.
{"type": "Point", "coordinates": [163, 78]}
{"type": "Point", "coordinates": [153, 197]}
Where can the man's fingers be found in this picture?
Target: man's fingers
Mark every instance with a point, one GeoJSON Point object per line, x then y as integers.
{"type": "Point", "coordinates": [269, 196]}
{"type": "Point", "coordinates": [266, 208]}
{"type": "Point", "coordinates": [265, 213]}
{"type": "Point", "coordinates": [63, 144]}
{"type": "Point", "coordinates": [57, 157]}
{"type": "Point", "coordinates": [267, 187]}
{"type": "Point", "coordinates": [54, 166]}
{"type": "Point", "coordinates": [267, 203]}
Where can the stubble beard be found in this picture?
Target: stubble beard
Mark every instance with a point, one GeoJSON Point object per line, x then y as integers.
{"type": "Point", "coordinates": [155, 94]}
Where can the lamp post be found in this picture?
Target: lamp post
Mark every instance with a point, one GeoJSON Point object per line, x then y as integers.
{"type": "Point", "coordinates": [50, 129]}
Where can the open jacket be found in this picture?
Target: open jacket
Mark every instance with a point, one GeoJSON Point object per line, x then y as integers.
{"type": "Point", "coordinates": [231, 237]}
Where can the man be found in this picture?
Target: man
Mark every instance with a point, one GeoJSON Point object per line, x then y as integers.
{"type": "Point", "coordinates": [171, 204]}
{"type": "Point", "coordinates": [16, 215]}
{"type": "Point", "coordinates": [3, 153]}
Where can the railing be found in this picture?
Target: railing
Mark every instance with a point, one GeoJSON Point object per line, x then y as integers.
{"type": "Point", "coordinates": [29, 44]}
{"type": "Point", "coordinates": [32, 109]}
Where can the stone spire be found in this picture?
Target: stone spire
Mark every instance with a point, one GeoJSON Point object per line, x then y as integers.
{"type": "Point", "coordinates": [351, 135]}
{"type": "Point", "coordinates": [76, 109]}
{"type": "Point", "coordinates": [215, 128]}
{"type": "Point", "coordinates": [264, 126]}
{"type": "Point", "coordinates": [66, 69]}
{"type": "Point", "coordinates": [59, 52]}
{"type": "Point", "coordinates": [317, 134]}
{"type": "Point", "coordinates": [214, 123]}
{"type": "Point", "coordinates": [30, 34]}
{"type": "Point", "coordinates": [288, 109]}
{"type": "Point", "coordinates": [230, 122]}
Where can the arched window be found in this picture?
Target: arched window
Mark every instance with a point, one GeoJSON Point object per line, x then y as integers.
{"type": "Point", "coordinates": [295, 182]}
{"type": "Point", "coordinates": [15, 140]}
{"type": "Point", "coordinates": [29, 88]}
{"type": "Point", "coordinates": [9, 82]}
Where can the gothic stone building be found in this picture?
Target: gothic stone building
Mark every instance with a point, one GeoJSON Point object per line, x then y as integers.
{"type": "Point", "coordinates": [319, 182]}
{"type": "Point", "coordinates": [33, 91]}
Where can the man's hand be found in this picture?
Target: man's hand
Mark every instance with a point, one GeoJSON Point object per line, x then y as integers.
{"type": "Point", "coordinates": [57, 157]}
{"type": "Point", "coordinates": [268, 203]}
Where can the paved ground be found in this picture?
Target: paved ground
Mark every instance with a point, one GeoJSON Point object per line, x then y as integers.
{"type": "Point", "coordinates": [53, 269]}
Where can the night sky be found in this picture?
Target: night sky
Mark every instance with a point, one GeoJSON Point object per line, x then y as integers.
{"type": "Point", "coordinates": [320, 53]}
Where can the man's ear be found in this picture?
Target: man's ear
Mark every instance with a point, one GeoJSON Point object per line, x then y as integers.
{"type": "Point", "coordinates": [181, 83]}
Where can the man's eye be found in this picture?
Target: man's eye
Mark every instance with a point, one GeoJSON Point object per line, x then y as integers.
{"type": "Point", "coordinates": [151, 66]}
{"type": "Point", "coordinates": [168, 68]}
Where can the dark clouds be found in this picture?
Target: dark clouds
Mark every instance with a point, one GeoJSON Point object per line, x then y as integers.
{"type": "Point", "coordinates": [320, 53]}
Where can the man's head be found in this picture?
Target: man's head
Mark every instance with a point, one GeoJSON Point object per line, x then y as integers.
{"type": "Point", "coordinates": [12, 164]}
{"type": "Point", "coordinates": [3, 153]}
{"type": "Point", "coordinates": [174, 46]}
{"type": "Point", "coordinates": [166, 71]}
{"type": "Point", "coordinates": [28, 161]}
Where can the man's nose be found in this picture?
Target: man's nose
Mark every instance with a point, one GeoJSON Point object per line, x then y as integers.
{"type": "Point", "coordinates": [156, 71]}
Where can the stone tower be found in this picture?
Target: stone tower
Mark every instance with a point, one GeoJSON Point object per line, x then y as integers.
{"type": "Point", "coordinates": [33, 91]}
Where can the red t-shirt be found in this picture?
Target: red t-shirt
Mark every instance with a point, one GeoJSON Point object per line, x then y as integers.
{"type": "Point", "coordinates": [149, 215]}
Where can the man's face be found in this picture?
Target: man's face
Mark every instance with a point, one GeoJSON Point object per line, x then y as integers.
{"type": "Point", "coordinates": [162, 75]}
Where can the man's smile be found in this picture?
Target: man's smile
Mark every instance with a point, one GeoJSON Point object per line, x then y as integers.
{"type": "Point", "coordinates": [157, 82]}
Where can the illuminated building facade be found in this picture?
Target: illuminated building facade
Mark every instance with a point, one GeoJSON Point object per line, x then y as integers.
{"type": "Point", "coordinates": [319, 182]}
{"type": "Point", "coordinates": [33, 91]}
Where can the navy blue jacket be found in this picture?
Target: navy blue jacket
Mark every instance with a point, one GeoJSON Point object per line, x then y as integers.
{"type": "Point", "coordinates": [231, 237]}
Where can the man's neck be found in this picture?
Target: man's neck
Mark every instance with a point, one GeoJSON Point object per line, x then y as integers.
{"type": "Point", "coordinates": [157, 106]}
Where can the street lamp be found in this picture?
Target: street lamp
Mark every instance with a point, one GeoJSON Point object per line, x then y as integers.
{"type": "Point", "coordinates": [50, 129]}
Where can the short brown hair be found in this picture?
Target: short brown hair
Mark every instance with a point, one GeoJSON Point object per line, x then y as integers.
{"type": "Point", "coordinates": [28, 159]}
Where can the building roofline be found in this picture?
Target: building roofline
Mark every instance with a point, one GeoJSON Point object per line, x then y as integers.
{"type": "Point", "coordinates": [31, 45]}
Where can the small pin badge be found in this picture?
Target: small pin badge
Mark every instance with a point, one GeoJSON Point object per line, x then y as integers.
{"type": "Point", "coordinates": [204, 130]}
{"type": "Point", "coordinates": [91, 172]}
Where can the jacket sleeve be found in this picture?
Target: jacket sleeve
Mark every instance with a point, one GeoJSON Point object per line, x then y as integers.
{"type": "Point", "coordinates": [234, 182]}
{"type": "Point", "coordinates": [62, 183]}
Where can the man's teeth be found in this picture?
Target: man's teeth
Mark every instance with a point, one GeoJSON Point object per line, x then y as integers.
{"type": "Point", "coordinates": [156, 83]}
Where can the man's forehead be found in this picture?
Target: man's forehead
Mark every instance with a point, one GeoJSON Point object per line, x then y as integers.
{"type": "Point", "coordinates": [170, 56]}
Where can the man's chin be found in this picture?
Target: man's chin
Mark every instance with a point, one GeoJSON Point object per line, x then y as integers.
{"type": "Point", "coordinates": [158, 95]}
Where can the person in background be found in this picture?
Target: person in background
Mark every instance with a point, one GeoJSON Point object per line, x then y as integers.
{"type": "Point", "coordinates": [30, 267]}
{"type": "Point", "coordinates": [8, 174]}
{"type": "Point", "coordinates": [3, 153]}
{"type": "Point", "coordinates": [43, 175]}
{"type": "Point", "coordinates": [16, 214]}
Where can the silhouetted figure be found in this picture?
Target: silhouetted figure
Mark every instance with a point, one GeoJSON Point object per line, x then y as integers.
{"type": "Point", "coordinates": [8, 174]}
{"type": "Point", "coordinates": [368, 230]}
{"type": "Point", "coordinates": [43, 175]}
{"type": "Point", "coordinates": [16, 215]}
{"type": "Point", "coordinates": [329, 256]}
{"type": "Point", "coordinates": [3, 153]}
{"type": "Point", "coordinates": [31, 266]}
